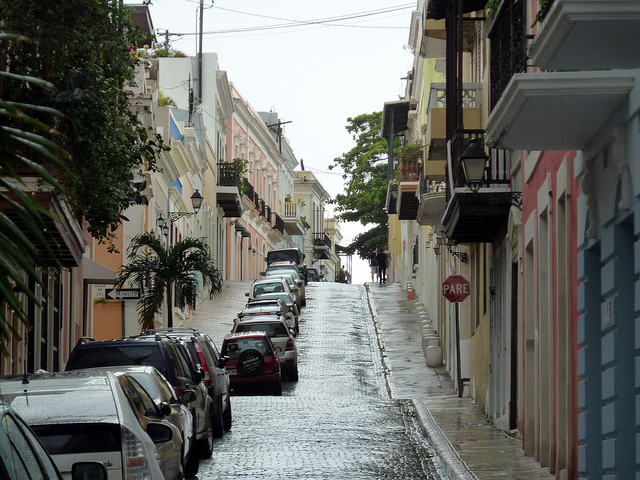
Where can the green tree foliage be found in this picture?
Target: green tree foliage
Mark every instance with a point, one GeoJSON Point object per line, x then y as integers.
{"type": "Point", "coordinates": [87, 49]}
{"type": "Point", "coordinates": [155, 270]}
{"type": "Point", "coordinates": [365, 175]}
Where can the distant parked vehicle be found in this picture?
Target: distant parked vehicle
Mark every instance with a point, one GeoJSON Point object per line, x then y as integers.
{"type": "Point", "coordinates": [293, 255]}
{"type": "Point", "coordinates": [268, 306]}
{"type": "Point", "coordinates": [282, 338]}
{"type": "Point", "coordinates": [275, 284]}
{"type": "Point", "coordinates": [252, 361]}
{"type": "Point", "coordinates": [288, 267]}
{"type": "Point", "coordinates": [23, 456]}
{"type": "Point", "coordinates": [315, 275]}
{"type": "Point", "coordinates": [169, 356]}
{"type": "Point", "coordinates": [290, 303]}
{"type": "Point", "coordinates": [87, 416]}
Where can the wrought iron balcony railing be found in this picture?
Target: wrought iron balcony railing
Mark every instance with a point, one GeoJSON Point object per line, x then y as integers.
{"type": "Point", "coordinates": [277, 222]}
{"type": "Point", "coordinates": [228, 175]}
{"type": "Point", "coordinates": [321, 240]}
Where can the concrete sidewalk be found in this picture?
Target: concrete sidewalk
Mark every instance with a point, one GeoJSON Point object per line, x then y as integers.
{"type": "Point", "coordinates": [468, 446]}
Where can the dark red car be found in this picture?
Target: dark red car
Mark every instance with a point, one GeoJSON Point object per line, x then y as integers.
{"type": "Point", "coordinates": [252, 361]}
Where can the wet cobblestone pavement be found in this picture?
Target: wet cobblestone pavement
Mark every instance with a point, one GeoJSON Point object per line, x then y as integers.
{"type": "Point", "coordinates": [337, 421]}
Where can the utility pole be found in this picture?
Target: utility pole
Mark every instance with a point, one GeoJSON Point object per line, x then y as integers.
{"type": "Point", "coordinates": [200, 51]}
{"type": "Point", "coordinates": [279, 131]}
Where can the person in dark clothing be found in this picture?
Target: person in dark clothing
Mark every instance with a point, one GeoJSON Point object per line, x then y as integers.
{"type": "Point", "coordinates": [373, 263]}
{"type": "Point", "coordinates": [381, 260]}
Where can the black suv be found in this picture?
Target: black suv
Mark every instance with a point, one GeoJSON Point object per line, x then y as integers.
{"type": "Point", "coordinates": [169, 356]}
{"type": "Point", "coordinates": [293, 255]}
{"type": "Point", "coordinates": [206, 356]}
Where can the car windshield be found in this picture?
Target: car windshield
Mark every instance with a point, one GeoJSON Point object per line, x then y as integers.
{"type": "Point", "coordinates": [267, 288]}
{"type": "Point", "coordinates": [273, 329]}
{"type": "Point", "coordinates": [283, 256]}
{"type": "Point", "coordinates": [79, 438]}
{"type": "Point", "coordinates": [115, 356]}
{"type": "Point", "coordinates": [233, 348]}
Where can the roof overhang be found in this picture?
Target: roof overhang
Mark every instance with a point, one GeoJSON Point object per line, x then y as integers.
{"type": "Point", "coordinates": [555, 110]}
{"type": "Point", "coordinates": [437, 9]}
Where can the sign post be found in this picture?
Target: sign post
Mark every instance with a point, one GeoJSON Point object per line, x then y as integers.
{"type": "Point", "coordinates": [456, 289]}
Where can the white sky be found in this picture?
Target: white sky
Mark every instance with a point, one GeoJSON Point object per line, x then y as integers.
{"type": "Point", "coordinates": [314, 75]}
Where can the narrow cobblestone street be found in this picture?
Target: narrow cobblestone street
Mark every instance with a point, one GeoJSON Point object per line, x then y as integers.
{"type": "Point", "coordinates": [338, 421]}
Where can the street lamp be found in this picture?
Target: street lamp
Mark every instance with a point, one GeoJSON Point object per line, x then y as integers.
{"type": "Point", "coordinates": [474, 163]}
{"type": "Point", "coordinates": [196, 202]}
{"type": "Point", "coordinates": [162, 225]}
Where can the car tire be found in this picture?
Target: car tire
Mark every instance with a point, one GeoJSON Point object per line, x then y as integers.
{"type": "Point", "coordinates": [227, 416]}
{"type": "Point", "coordinates": [192, 465]}
{"type": "Point", "coordinates": [217, 423]}
{"type": "Point", "coordinates": [293, 375]}
{"type": "Point", "coordinates": [251, 362]}
{"type": "Point", "coordinates": [205, 445]}
{"type": "Point", "coordinates": [277, 389]}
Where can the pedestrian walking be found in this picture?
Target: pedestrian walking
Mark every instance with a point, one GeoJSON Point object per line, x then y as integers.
{"type": "Point", "coordinates": [381, 260]}
{"type": "Point", "coordinates": [373, 263]}
{"type": "Point", "coordinates": [388, 254]}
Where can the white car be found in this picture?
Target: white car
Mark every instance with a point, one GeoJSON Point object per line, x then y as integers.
{"type": "Point", "coordinates": [280, 335]}
{"type": "Point", "coordinates": [294, 285]}
{"type": "Point", "coordinates": [86, 416]}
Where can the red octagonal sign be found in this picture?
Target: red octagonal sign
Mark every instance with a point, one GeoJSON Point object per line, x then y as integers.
{"type": "Point", "coordinates": [455, 288]}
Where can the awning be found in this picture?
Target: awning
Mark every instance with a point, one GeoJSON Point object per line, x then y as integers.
{"type": "Point", "coordinates": [94, 272]}
{"type": "Point", "coordinates": [399, 112]}
{"type": "Point", "coordinates": [437, 9]}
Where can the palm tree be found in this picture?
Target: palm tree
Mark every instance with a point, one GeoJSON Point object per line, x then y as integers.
{"type": "Point", "coordinates": [154, 269]}
{"type": "Point", "coordinates": [20, 260]}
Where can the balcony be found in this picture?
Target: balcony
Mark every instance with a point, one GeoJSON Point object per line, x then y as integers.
{"type": "Point", "coordinates": [248, 194]}
{"type": "Point", "coordinates": [437, 126]}
{"type": "Point", "coordinates": [321, 246]}
{"type": "Point", "coordinates": [433, 201]}
{"type": "Point", "coordinates": [556, 110]}
{"type": "Point", "coordinates": [408, 183]}
{"type": "Point", "coordinates": [477, 215]}
{"type": "Point", "coordinates": [607, 30]}
{"type": "Point", "coordinates": [228, 191]}
{"type": "Point", "coordinates": [293, 223]}
{"type": "Point", "coordinates": [391, 204]}
{"type": "Point", "coordinates": [276, 233]}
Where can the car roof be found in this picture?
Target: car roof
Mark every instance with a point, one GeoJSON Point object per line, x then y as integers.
{"type": "Point", "coordinates": [276, 295]}
{"type": "Point", "coordinates": [64, 397]}
{"type": "Point", "coordinates": [264, 319]}
{"type": "Point", "coordinates": [236, 336]}
{"type": "Point", "coordinates": [282, 264]}
{"type": "Point", "coordinates": [270, 279]}
{"type": "Point", "coordinates": [263, 302]}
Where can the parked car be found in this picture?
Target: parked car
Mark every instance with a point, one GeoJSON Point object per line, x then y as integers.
{"type": "Point", "coordinates": [315, 275]}
{"type": "Point", "coordinates": [205, 355]}
{"type": "Point", "coordinates": [267, 306]}
{"type": "Point", "coordinates": [87, 417]}
{"type": "Point", "coordinates": [281, 336]}
{"type": "Point", "coordinates": [292, 281]}
{"type": "Point", "coordinates": [290, 303]}
{"type": "Point", "coordinates": [293, 255]}
{"type": "Point", "coordinates": [172, 407]}
{"type": "Point", "coordinates": [252, 361]}
{"type": "Point", "coordinates": [284, 267]}
{"type": "Point", "coordinates": [169, 356]}
{"type": "Point", "coordinates": [23, 456]}
{"type": "Point", "coordinates": [276, 283]}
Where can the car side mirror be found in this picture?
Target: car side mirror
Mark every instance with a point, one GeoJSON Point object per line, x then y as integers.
{"type": "Point", "coordinates": [262, 273]}
{"type": "Point", "coordinates": [188, 396]}
{"type": "Point", "coordinates": [159, 433]}
{"type": "Point", "coordinates": [89, 471]}
{"type": "Point", "coordinates": [246, 294]}
{"type": "Point", "coordinates": [224, 361]}
{"type": "Point", "coordinates": [292, 332]}
{"type": "Point", "coordinates": [197, 376]}
{"type": "Point", "coordinates": [165, 409]}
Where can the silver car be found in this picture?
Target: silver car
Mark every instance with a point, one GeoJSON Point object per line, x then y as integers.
{"type": "Point", "coordinates": [86, 416]}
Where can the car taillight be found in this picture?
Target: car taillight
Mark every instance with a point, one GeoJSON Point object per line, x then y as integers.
{"type": "Point", "coordinates": [134, 457]}
{"type": "Point", "coordinates": [178, 392]}
{"type": "Point", "coordinates": [290, 345]}
{"type": "Point", "coordinates": [205, 365]}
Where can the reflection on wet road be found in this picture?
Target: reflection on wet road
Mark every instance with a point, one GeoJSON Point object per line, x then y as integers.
{"type": "Point", "coordinates": [338, 421]}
